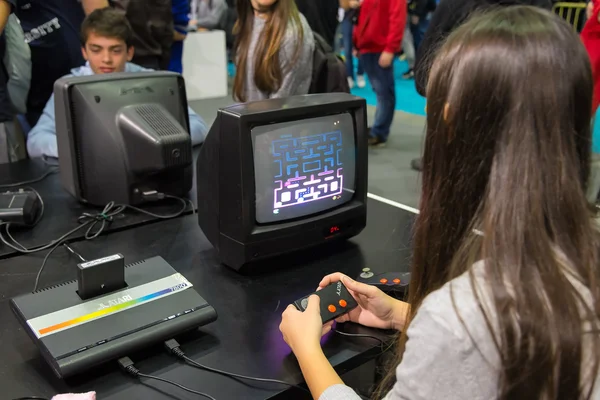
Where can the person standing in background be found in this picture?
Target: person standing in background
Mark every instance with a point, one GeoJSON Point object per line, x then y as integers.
{"type": "Point", "coordinates": [449, 15]}
{"type": "Point", "coordinates": [52, 31]}
{"type": "Point", "coordinates": [208, 14]}
{"type": "Point", "coordinates": [350, 16]}
{"type": "Point", "coordinates": [181, 19]}
{"type": "Point", "coordinates": [417, 23]}
{"type": "Point", "coordinates": [152, 24]}
{"type": "Point", "coordinates": [322, 17]}
{"type": "Point", "coordinates": [274, 50]}
{"type": "Point", "coordinates": [378, 36]}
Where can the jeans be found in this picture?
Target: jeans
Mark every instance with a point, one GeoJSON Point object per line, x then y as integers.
{"type": "Point", "coordinates": [408, 46]}
{"type": "Point", "coordinates": [382, 81]}
{"type": "Point", "coordinates": [347, 29]}
{"type": "Point", "coordinates": [176, 63]}
{"type": "Point", "coordinates": [418, 31]}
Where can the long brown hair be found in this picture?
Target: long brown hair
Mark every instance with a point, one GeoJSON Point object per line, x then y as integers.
{"type": "Point", "coordinates": [268, 73]}
{"type": "Point", "coordinates": [507, 153]}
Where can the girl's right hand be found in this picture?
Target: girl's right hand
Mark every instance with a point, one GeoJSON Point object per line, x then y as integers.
{"type": "Point", "coordinates": [375, 308]}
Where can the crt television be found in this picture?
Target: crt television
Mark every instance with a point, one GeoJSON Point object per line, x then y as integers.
{"type": "Point", "coordinates": [121, 136]}
{"type": "Point", "coordinates": [282, 175]}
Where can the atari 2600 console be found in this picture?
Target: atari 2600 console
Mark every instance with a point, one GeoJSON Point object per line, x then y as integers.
{"type": "Point", "coordinates": [75, 334]}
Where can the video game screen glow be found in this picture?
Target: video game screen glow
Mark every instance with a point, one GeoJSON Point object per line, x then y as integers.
{"type": "Point", "coordinates": [303, 167]}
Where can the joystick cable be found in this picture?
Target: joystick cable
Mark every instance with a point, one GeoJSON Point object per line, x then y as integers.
{"type": "Point", "coordinates": [172, 347]}
{"type": "Point", "coordinates": [361, 335]}
{"type": "Point", "coordinates": [94, 224]}
{"type": "Point", "coordinates": [127, 365]}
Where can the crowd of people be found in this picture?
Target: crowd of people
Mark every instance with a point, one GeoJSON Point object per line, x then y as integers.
{"type": "Point", "coordinates": [504, 300]}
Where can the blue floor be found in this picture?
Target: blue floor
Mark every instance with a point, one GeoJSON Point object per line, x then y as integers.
{"type": "Point", "coordinates": [407, 98]}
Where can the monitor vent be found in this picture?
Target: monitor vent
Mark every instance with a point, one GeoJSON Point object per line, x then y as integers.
{"type": "Point", "coordinates": [154, 116]}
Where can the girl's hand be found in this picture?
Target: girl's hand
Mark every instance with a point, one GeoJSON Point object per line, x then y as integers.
{"type": "Point", "coordinates": [302, 331]}
{"type": "Point", "coordinates": [375, 308]}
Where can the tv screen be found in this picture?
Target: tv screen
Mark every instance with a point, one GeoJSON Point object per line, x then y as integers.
{"type": "Point", "coordinates": [303, 167]}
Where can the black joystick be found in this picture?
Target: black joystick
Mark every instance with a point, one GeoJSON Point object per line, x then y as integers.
{"type": "Point", "coordinates": [335, 301]}
{"type": "Point", "coordinates": [388, 282]}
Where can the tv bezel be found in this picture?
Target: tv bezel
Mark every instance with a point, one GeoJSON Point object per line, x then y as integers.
{"type": "Point", "coordinates": [239, 227]}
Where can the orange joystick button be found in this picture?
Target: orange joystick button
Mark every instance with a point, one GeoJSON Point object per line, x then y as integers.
{"type": "Point", "coordinates": [397, 281]}
{"type": "Point", "coordinates": [383, 281]}
{"type": "Point", "coordinates": [343, 303]}
{"type": "Point", "coordinates": [331, 308]}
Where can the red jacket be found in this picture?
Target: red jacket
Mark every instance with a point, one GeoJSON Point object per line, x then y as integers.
{"type": "Point", "coordinates": [380, 26]}
{"type": "Point", "coordinates": [590, 35]}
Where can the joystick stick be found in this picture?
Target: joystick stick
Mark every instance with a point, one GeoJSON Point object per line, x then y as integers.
{"type": "Point", "coordinates": [395, 282]}
{"type": "Point", "coordinates": [335, 301]}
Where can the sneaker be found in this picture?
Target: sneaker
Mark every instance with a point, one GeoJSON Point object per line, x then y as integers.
{"type": "Point", "coordinates": [350, 82]}
{"type": "Point", "coordinates": [408, 74]}
{"type": "Point", "coordinates": [375, 141]}
{"type": "Point", "coordinates": [360, 81]}
{"type": "Point", "coordinates": [417, 164]}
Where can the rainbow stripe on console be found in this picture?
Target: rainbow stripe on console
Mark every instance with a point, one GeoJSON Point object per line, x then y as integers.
{"type": "Point", "coordinates": [108, 310]}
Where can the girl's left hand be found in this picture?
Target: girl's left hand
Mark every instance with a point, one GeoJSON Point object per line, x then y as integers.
{"type": "Point", "coordinates": [302, 331]}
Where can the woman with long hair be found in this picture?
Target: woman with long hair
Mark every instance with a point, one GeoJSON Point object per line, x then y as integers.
{"type": "Point", "coordinates": [274, 50]}
{"type": "Point", "coordinates": [505, 290]}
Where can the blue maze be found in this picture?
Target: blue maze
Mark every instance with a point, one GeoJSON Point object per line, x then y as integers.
{"type": "Point", "coordinates": [307, 168]}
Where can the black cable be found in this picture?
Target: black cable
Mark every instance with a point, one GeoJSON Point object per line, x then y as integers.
{"type": "Point", "coordinates": [39, 274]}
{"type": "Point", "coordinates": [86, 220]}
{"type": "Point", "coordinates": [31, 398]}
{"type": "Point", "coordinates": [173, 347]}
{"type": "Point", "coordinates": [48, 172]}
{"type": "Point", "coordinates": [360, 335]}
{"type": "Point", "coordinates": [127, 365]}
{"type": "Point", "coordinates": [74, 252]}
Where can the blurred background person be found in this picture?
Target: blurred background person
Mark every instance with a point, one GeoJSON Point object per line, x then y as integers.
{"type": "Point", "coordinates": [181, 19]}
{"type": "Point", "coordinates": [350, 18]}
{"type": "Point", "coordinates": [419, 12]}
{"type": "Point", "coordinates": [207, 15]}
{"type": "Point", "coordinates": [152, 24]}
{"type": "Point", "coordinates": [52, 31]}
{"type": "Point", "coordinates": [378, 37]}
{"type": "Point", "coordinates": [322, 17]}
{"type": "Point", "coordinates": [448, 16]}
{"type": "Point", "coordinates": [274, 50]}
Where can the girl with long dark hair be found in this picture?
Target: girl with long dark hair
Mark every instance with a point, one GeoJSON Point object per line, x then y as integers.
{"type": "Point", "coordinates": [505, 292]}
{"type": "Point", "coordinates": [274, 50]}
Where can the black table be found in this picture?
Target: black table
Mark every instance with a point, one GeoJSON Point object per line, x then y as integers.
{"type": "Point", "coordinates": [62, 210]}
{"type": "Point", "coordinates": [245, 339]}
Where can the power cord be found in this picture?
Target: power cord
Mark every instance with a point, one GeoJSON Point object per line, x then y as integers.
{"type": "Point", "coordinates": [360, 335]}
{"type": "Point", "coordinates": [48, 172]}
{"type": "Point", "coordinates": [31, 398]}
{"type": "Point", "coordinates": [74, 252]}
{"type": "Point", "coordinates": [95, 223]}
{"type": "Point", "coordinates": [173, 347]}
{"type": "Point", "coordinates": [128, 366]}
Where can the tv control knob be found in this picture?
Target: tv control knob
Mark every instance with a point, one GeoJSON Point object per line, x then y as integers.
{"type": "Point", "coordinates": [366, 274]}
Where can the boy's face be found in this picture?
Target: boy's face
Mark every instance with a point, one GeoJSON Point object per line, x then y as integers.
{"type": "Point", "coordinates": [105, 54]}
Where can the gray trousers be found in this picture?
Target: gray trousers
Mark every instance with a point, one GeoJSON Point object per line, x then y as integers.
{"type": "Point", "coordinates": [408, 46]}
{"type": "Point", "coordinates": [12, 142]}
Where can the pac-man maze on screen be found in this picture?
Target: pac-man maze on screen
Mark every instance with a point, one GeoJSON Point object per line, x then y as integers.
{"type": "Point", "coordinates": [308, 168]}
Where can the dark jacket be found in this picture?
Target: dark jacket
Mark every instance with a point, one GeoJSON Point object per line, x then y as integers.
{"type": "Point", "coordinates": [448, 16]}
{"type": "Point", "coordinates": [152, 24]}
{"type": "Point", "coordinates": [421, 7]}
{"type": "Point", "coordinates": [322, 16]}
